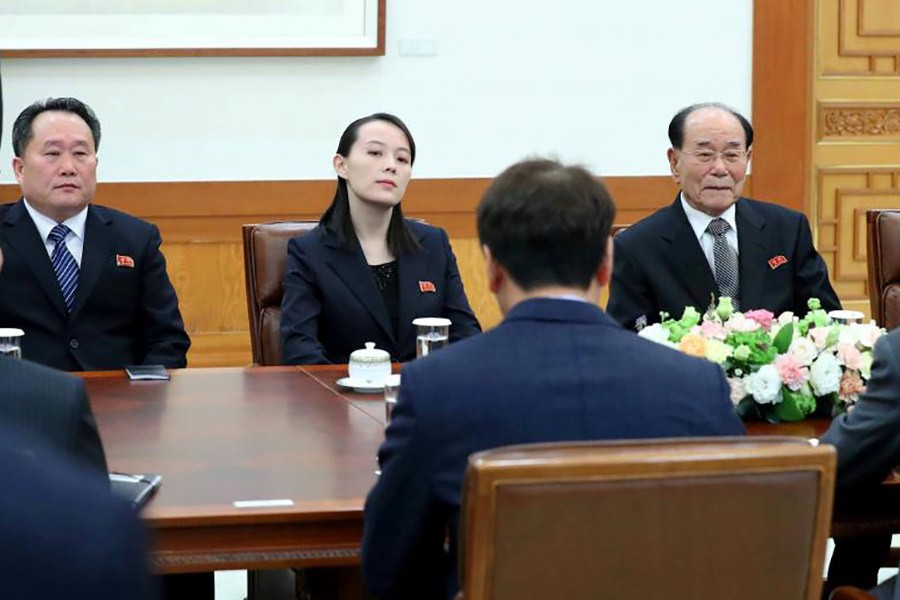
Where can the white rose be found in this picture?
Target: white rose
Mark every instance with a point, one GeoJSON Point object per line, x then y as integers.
{"type": "Point", "coordinates": [825, 374]}
{"type": "Point", "coordinates": [804, 350]}
{"type": "Point", "coordinates": [785, 318]}
{"type": "Point", "coordinates": [764, 385]}
{"type": "Point", "coordinates": [655, 333]}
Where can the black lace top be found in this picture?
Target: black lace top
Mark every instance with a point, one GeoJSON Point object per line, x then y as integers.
{"type": "Point", "coordinates": [386, 278]}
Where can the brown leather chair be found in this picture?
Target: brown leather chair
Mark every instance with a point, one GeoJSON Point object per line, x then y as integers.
{"type": "Point", "coordinates": [265, 257]}
{"type": "Point", "coordinates": [704, 519]}
{"type": "Point", "coordinates": [884, 266]}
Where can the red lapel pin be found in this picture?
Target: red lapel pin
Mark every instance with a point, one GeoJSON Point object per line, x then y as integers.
{"type": "Point", "coordinates": [427, 286]}
{"type": "Point", "coordinates": [777, 261]}
{"type": "Point", "coordinates": [124, 261]}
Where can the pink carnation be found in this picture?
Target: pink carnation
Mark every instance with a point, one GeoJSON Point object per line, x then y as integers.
{"type": "Point", "coordinates": [792, 372]}
{"type": "Point", "coordinates": [849, 355]}
{"type": "Point", "coordinates": [712, 330]}
{"type": "Point", "coordinates": [761, 316]}
{"type": "Point", "coordinates": [851, 386]}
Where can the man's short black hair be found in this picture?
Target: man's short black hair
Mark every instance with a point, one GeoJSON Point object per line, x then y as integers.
{"type": "Point", "coordinates": [546, 223]}
{"type": "Point", "coordinates": [22, 131]}
{"type": "Point", "coordinates": [676, 125]}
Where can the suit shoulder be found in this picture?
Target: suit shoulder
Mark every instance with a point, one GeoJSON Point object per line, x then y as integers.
{"type": "Point", "coordinates": [650, 226]}
{"type": "Point", "coordinates": [772, 211]}
{"type": "Point", "coordinates": [122, 219]}
{"type": "Point", "coordinates": [424, 231]}
{"type": "Point", "coordinates": [313, 238]}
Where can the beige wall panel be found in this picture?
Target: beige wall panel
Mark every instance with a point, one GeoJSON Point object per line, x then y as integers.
{"type": "Point", "coordinates": [879, 17]}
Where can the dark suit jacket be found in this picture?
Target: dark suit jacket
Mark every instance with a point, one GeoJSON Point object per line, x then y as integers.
{"type": "Point", "coordinates": [332, 305]}
{"type": "Point", "coordinates": [123, 315]}
{"type": "Point", "coordinates": [868, 437]}
{"type": "Point", "coordinates": [553, 370]}
{"type": "Point", "coordinates": [53, 407]}
{"type": "Point", "coordinates": [660, 266]}
{"type": "Point", "coordinates": [63, 534]}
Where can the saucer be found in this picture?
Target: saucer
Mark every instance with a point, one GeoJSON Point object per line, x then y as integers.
{"type": "Point", "coordinates": [363, 387]}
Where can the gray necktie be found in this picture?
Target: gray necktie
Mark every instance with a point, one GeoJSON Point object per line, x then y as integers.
{"type": "Point", "coordinates": [725, 260]}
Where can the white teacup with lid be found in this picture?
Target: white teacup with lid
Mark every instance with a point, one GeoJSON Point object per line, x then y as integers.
{"type": "Point", "coordinates": [370, 365]}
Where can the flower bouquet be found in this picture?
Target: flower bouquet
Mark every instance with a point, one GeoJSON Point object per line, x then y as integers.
{"type": "Point", "coordinates": [779, 369]}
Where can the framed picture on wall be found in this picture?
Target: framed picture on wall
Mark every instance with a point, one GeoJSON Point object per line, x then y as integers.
{"type": "Point", "coordinates": [65, 28]}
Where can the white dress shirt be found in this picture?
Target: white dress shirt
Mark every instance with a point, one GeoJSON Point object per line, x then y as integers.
{"type": "Point", "coordinates": [74, 241]}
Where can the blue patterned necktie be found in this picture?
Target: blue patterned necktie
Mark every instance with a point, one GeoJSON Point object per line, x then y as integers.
{"type": "Point", "coordinates": [725, 260]}
{"type": "Point", "coordinates": [64, 265]}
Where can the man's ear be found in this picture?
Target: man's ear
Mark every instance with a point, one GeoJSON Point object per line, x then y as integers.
{"type": "Point", "coordinates": [18, 166]}
{"type": "Point", "coordinates": [672, 155]}
{"type": "Point", "coordinates": [340, 166]}
{"type": "Point", "coordinates": [495, 272]}
{"type": "Point", "coordinates": [604, 273]}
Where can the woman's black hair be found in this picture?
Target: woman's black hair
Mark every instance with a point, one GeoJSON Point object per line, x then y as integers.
{"type": "Point", "coordinates": [337, 218]}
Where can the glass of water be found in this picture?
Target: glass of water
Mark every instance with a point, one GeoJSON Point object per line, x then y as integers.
{"type": "Point", "coordinates": [432, 333]}
{"type": "Point", "coordinates": [391, 392]}
{"type": "Point", "coordinates": [11, 342]}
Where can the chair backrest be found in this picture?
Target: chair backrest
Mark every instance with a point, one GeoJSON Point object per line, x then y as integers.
{"type": "Point", "coordinates": [884, 266]}
{"type": "Point", "coordinates": [701, 518]}
{"type": "Point", "coordinates": [265, 257]}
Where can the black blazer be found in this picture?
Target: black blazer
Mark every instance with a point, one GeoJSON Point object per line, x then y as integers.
{"type": "Point", "coordinates": [553, 370]}
{"type": "Point", "coordinates": [53, 407]}
{"type": "Point", "coordinates": [867, 438]}
{"type": "Point", "coordinates": [332, 305]}
{"type": "Point", "coordinates": [660, 266]}
{"type": "Point", "coordinates": [64, 534]}
{"type": "Point", "coordinates": [123, 314]}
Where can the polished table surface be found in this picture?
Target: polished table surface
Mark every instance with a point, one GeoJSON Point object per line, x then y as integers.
{"type": "Point", "coordinates": [223, 435]}
{"type": "Point", "coordinates": [269, 433]}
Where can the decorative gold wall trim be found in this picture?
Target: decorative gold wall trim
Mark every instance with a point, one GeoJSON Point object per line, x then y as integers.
{"type": "Point", "coordinates": [845, 193]}
{"type": "Point", "coordinates": [859, 120]}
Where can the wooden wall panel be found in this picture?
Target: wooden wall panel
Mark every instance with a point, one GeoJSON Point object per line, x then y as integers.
{"type": "Point", "coordinates": [201, 227]}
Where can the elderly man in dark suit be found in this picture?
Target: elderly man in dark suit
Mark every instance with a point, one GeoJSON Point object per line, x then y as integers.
{"type": "Point", "coordinates": [88, 284]}
{"type": "Point", "coordinates": [62, 533]}
{"type": "Point", "coordinates": [557, 368]}
{"type": "Point", "coordinates": [712, 242]}
{"type": "Point", "coordinates": [868, 445]}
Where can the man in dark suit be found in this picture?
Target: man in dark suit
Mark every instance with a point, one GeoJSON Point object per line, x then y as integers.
{"type": "Point", "coordinates": [53, 407]}
{"type": "Point", "coordinates": [868, 445]}
{"type": "Point", "coordinates": [557, 368]}
{"type": "Point", "coordinates": [62, 533]}
{"type": "Point", "coordinates": [712, 242]}
{"type": "Point", "coordinates": [88, 284]}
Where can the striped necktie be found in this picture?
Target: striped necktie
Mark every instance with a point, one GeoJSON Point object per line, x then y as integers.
{"type": "Point", "coordinates": [64, 265]}
{"type": "Point", "coordinates": [725, 260]}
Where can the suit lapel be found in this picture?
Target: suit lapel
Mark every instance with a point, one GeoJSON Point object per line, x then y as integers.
{"type": "Point", "coordinates": [754, 252]}
{"type": "Point", "coordinates": [96, 255]}
{"type": "Point", "coordinates": [22, 236]}
{"type": "Point", "coordinates": [350, 267]}
{"type": "Point", "coordinates": [687, 259]}
{"type": "Point", "coordinates": [411, 269]}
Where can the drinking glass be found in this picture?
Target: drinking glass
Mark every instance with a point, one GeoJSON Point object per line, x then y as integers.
{"type": "Point", "coordinates": [432, 333]}
{"type": "Point", "coordinates": [391, 391]}
{"type": "Point", "coordinates": [11, 342]}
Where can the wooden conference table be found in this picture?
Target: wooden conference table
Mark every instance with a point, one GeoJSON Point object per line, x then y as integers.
{"type": "Point", "coordinates": [281, 433]}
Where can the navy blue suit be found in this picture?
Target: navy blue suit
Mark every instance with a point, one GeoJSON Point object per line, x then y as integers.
{"type": "Point", "coordinates": [660, 266]}
{"type": "Point", "coordinates": [52, 406]}
{"type": "Point", "coordinates": [125, 314]}
{"type": "Point", "coordinates": [553, 370]}
{"type": "Point", "coordinates": [332, 304]}
{"type": "Point", "coordinates": [62, 533]}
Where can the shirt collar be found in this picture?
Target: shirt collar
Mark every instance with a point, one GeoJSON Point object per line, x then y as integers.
{"type": "Point", "coordinates": [45, 224]}
{"type": "Point", "coordinates": [700, 221]}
